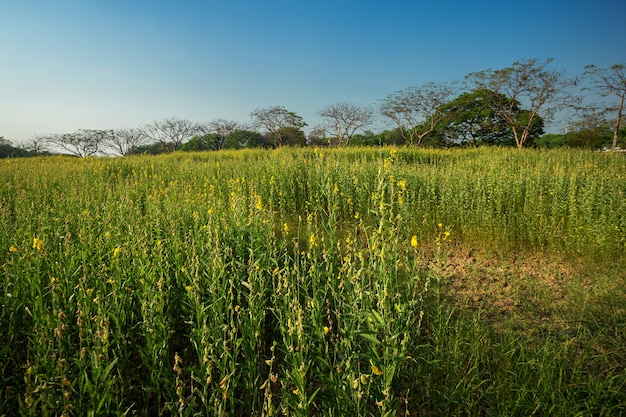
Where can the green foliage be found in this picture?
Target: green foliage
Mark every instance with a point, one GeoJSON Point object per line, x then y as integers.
{"type": "Point", "coordinates": [595, 138]}
{"type": "Point", "coordinates": [7, 150]}
{"type": "Point", "coordinates": [476, 118]}
{"type": "Point", "coordinates": [202, 143]}
{"type": "Point", "coordinates": [303, 282]}
{"type": "Point", "coordinates": [249, 139]}
{"type": "Point", "coordinates": [290, 136]}
{"type": "Point", "coordinates": [149, 149]}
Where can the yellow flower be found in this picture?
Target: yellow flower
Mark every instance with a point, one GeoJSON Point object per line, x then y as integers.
{"type": "Point", "coordinates": [312, 240]}
{"type": "Point", "coordinates": [259, 203]}
{"type": "Point", "coordinates": [326, 330]}
{"type": "Point", "coordinates": [116, 252]}
{"type": "Point", "coordinates": [402, 185]}
{"type": "Point", "coordinates": [445, 235]}
{"type": "Point", "coordinates": [286, 227]}
{"type": "Point", "coordinates": [376, 371]}
{"type": "Point", "coordinates": [414, 241]}
{"type": "Point", "coordinates": [13, 249]}
{"type": "Point", "coordinates": [295, 391]}
{"type": "Point", "coordinates": [188, 288]}
{"type": "Point", "coordinates": [37, 243]}
{"type": "Point", "coordinates": [356, 215]}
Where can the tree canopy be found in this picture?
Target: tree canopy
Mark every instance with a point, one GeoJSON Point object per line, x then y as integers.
{"type": "Point", "coordinates": [508, 107]}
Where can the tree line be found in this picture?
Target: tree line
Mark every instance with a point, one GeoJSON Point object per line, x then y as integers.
{"type": "Point", "coordinates": [507, 107]}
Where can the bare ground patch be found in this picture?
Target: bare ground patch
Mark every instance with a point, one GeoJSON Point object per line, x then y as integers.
{"type": "Point", "coordinates": [528, 291]}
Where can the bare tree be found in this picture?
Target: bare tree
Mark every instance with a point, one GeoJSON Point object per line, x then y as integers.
{"type": "Point", "coordinates": [416, 110]}
{"type": "Point", "coordinates": [610, 81]}
{"type": "Point", "coordinates": [36, 144]}
{"type": "Point", "coordinates": [171, 133]}
{"type": "Point", "coordinates": [223, 130]}
{"type": "Point", "coordinates": [344, 119]}
{"type": "Point", "coordinates": [84, 142]}
{"type": "Point", "coordinates": [317, 136]}
{"type": "Point", "coordinates": [531, 84]}
{"type": "Point", "coordinates": [275, 119]}
{"type": "Point", "coordinates": [124, 140]}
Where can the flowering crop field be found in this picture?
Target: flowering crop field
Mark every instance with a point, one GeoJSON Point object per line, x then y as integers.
{"type": "Point", "coordinates": [314, 282]}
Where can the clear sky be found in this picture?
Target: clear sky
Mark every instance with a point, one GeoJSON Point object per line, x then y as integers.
{"type": "Point", "coordinates": [106, 64]}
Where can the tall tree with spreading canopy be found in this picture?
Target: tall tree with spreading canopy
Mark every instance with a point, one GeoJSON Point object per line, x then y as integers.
{"type": "Point", "coordinates": [530, 83]}
{"type": "Point", "coordinates": [83, 143]}
{"type": "Point", "coordinates": [275, 119]}
{"type": "Point", "coordinates": [472, 117]}
{"type": "Point", "coordinates": [343, 119]}
{"type": "Point", "coordinates": [610, 81]}
{"type": "Point", "coordinates": [416, 110]}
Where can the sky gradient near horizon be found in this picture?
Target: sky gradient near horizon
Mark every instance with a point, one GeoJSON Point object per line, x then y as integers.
{"type": "Point", "coordinates": [68, 64]}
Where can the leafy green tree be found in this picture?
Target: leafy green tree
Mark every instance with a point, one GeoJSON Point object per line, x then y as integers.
{"type": "Point", "coordinates": [155, 148]}
{"type": "Point", "coordinates": [591, 131]}
{"type": "Point", "coordinates": [7, 150]}
{"type": "Point", "coordinates": [386, 137]}
{"type": "Point", "coordinates": [274, 120]}
{"type": "Point", "coordinates": [249, 139]}
{"type": "Point", "coordinates": [473, 118]}
{"type": "Point", "coordinates": [202, 143]}
{"type": "Point", "coordinates": [530, 83]}
{"type": "Point", "coordinates": [551, 141]}
{"type": "Point", "coordinates": [291, 136]}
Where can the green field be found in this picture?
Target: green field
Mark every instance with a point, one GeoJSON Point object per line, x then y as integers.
{"type": "Point", "coordinates": [312, 282]}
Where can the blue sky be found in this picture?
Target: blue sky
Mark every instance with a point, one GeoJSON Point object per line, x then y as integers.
{"type": "Point", "coordinates": [108, 64]}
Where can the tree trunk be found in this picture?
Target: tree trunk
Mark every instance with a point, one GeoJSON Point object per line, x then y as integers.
{"type": "Point", "coordinates": [617, 123]}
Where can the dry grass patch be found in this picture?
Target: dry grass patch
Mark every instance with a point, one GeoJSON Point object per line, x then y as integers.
{"type": "Point", "coordinates": [532, 291]}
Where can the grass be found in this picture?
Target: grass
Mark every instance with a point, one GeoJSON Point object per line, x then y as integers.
{"type": "Point", "coordinates": [314, 282]}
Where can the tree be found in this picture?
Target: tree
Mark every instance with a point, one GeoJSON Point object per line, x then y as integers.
{"type": "Point", "coordinates": [473, 117]}
{"type": "Point", "coordinates": [171, 133]}
{"type": "Point", "coordinates": [344, 119]}
{"type": "Point", "coordinates": [201, 143]}
{"type": "Point", "coordinates": [219, 131]}
{"type": "Point", "coordinates": [292, 136]}
{"type": "Point", "coordinates": [317, 137]}
{"type": "Point", "coordinates": [83, 143]}
{"type": "Point", "coordinates": [529, 83]}
{"type": "Point", "coordinates": [248, 139]}
{"type": "Point", "coordinates": [275, 118]}
{"type": "Point", "coordinates": [417, 110]}
{"type": "Point", "coordinates": [591, 131]}
{"type": "Point", "coordinates": [36, 144]}
{"type": "Point", "coordinates": [123, 141]}
{"type": "Point", "coordinates": [610, 81]}
{"type": "Point", "coordinates": [7, 150]}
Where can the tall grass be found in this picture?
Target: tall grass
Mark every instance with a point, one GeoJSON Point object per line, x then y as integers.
{"type": "Point", "coordinates": [297, 282]}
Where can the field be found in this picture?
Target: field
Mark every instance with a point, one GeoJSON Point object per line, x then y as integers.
{"type": "Point", "coordinates": [312, 282]}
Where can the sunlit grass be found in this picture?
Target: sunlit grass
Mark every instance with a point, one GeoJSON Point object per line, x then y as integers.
{"type": "Point", "coordinates": [314, 282]}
